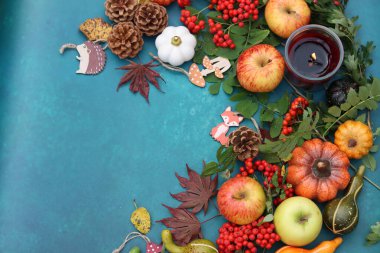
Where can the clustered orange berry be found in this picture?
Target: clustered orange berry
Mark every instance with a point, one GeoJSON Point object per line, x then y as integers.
{"type": "Point", "coordinates": [268, 170]}
{"type": "Point", "coordinates": [296, 108]}
{"type": "Point", "coordinates": [248, 237]}
{"type": "Point", "coordinates": [192, 22]}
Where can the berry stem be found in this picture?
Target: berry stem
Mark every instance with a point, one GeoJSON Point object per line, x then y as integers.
{"type": "Point", "coordinates": [294, 88]}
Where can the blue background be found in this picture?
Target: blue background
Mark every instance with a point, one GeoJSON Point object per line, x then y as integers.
{"type": "Point", "coordinates": [74, 153]}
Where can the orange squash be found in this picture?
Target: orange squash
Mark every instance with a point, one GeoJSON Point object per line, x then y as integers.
{"type": "Point", "coordinates": [323, 247]}
{"type": "Point", "coordinates": [318, 170]}
{"type": "Point", "coordinates": [354, 138]}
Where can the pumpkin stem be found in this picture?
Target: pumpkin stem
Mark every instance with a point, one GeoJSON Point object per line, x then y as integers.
{"type": "Point", "coordinates": [352, 143]}
{"type": "Point", "coordinates": [176, 41]}
{"type": "Point", "coordinates": [321, 168]}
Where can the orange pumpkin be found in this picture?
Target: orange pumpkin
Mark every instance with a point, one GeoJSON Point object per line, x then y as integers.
{"type": "Point", "coordinates": [163, 2]}
{"type": "Point", "coordinates": [354, 138]}
{"type": "Point", "coordinates": [318, 170]}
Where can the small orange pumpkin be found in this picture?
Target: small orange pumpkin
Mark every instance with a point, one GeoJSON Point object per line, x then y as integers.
{"type": "Point", "coordinates": [354, 138]}
{"type": "Point", "coordinates": [318, 170]}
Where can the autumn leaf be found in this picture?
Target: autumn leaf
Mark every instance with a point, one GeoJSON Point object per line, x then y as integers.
{"type": "Point", "coordinates": [139, 76]}
{"type": "Point", "coordinates": [198, 192]}
{"type": "Point", "coordinates": [186, 226]}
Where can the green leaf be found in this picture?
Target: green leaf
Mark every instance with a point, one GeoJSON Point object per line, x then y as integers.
{"type": "Point", "coordinates": [228, 53]}
{"type": "Point", "coordinates": [263, 97]}
{"type": "Point", "coordinates": [210, 169]}
{"type": "Point", "coordinates": [275, 179]}
{"type": "Point", "coordinates": [345, 106]}
{"type": "Point", "coordinates": [214, 15]}
{"type": "Point", "coordinates": [239, 30]}
{"type": "Point", "coordinates": [212, 79]}
{"type": "Point", "coordinates": [375, 87]}
{"type": "Point", "coordinates": [376, 132]}
{"type": "Point", "coordinates": [266, 115]}
{"type": "Point", "coordinates": [239, 96]}
{"type": "Point", "coordinates": [231, 80]}
{"type": "Point", "coordinates": [214, 88]}
{"type": "Point", "coordinates": [374, 236]}
{"type": "Point", "coordinates": [267, 218]}
{"type": "Point", "coordinates": [227, 89]}
{"type": "Point", "coordinates": [374, 148]}
{"type": "Point", "coordinates": [256, 36]}
{"type": "Point", "coordinates": [219, 152]}
{"type": "Point", "coordinates": [276, 127]}
{"type": "Point", "coordinates": [352, 97]}
{"type": "Point", "coordinates": [370, 162]}
{"type": "Point", "coordinates": [362, 117]}
{"type": "Point", "coordinates": [363, 92]}
{"type": "Point", "coordinates": [335, 111]}
{"type": "Point", "coordinates": [282, 104]}
{"type": "Point", "coordinates": [352, 113]}
{"type": "Point", "coordinates": [247, 108]}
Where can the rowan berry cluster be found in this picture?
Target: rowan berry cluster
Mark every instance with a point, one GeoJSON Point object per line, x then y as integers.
{"type": "Point", "coordinates": [220, 39]}
{"type": "Point", "coordinates": [192, 22]}
{"type": "Point", "coordinates": [184, 3]}
{"type": "Point", "coordinates": [268, 170]}
{"type": "Point", "coordinates": [296, 108]}
{"type": "Point", "coordinates": [236, 10]}
{"type": "Point", "coordinates": [248, 237]}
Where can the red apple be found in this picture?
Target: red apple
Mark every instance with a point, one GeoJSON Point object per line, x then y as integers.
{"type": "Point", "coordinates": [241, 200]}
{"type": "Point", "coordinates": [286, 16]}
{"type": "Point", "coordinates": [260, 68]}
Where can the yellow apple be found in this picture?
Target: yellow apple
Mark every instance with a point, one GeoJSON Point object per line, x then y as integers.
{"type": "Point", "coordinates": [260, 68]}
{"type": "Point", "coordinates": [285, 16]}
{"type": "Point", "coordinates": [241, 200]}
{"type": "Point", "coordinates": [298, 221]}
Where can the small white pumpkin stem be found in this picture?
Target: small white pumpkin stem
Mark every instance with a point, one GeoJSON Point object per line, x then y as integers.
{"type": "Point", "coordinates": [176, 41]}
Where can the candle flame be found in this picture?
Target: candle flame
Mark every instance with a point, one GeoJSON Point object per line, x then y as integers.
{"type": "Point", "coordinates": [314, 56]}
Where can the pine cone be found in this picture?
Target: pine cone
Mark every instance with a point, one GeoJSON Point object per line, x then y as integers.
{"type": "Point", "coordinates": [125, 40]}
{"type": "Point", "coordinates": [151, 18]}
{"type": "Point", "coordinates": [121, 10]}
{"type": "Point", "coordinates": [245, 143]}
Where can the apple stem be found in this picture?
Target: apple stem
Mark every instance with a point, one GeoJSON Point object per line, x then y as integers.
{"type": "Point", "coordinates": [294, 88]}
{"type": "Point", "coordinates": [209, 219]}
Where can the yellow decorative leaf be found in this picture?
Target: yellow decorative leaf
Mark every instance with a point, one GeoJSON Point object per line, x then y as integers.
{"type": "Point", "coordinates": [140, 219]}
{"type": "Point", "coordinates": [96, 29]}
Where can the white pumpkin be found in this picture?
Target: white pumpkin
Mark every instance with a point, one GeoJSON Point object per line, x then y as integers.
{"type": "Point", "coordinates": [176, 45]}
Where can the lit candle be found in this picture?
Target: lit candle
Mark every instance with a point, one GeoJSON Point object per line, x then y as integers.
{"type": "Point", "coordinates": [313, 55]}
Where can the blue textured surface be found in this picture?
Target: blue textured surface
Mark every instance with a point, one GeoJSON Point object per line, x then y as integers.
{"type": "Point", "coordinates": [74, 153]}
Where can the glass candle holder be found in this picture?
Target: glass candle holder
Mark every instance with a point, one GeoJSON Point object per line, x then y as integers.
{"type": "Point", "coordinates": [313, 54]}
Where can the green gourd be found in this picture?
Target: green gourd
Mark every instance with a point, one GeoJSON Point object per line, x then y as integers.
{"type": "Point", "coordinates": [135, 250]}
{"type": "Point", "coordinates": [195, 246]}
{"type": "Point", "coordinates": [341, 215]}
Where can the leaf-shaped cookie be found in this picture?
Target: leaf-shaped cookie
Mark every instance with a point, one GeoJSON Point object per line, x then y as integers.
{"type": "Point", "coordinates": [96, 29]}
{"type": "Point", "coordinates": [199, 190]}
{"type": "Point", "coordinates": [140, 218]}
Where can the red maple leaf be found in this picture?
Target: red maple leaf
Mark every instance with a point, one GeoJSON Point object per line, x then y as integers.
{"type": "Point", "coordinates": [198, 192]}
{"type": "Point", "coordinates": [186, 226]}
{"type": "Point", "coordinates": [139, 76]}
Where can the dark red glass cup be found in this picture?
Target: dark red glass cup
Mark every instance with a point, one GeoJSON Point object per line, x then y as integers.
{"type": "Point", "coordinates": [313, 54]}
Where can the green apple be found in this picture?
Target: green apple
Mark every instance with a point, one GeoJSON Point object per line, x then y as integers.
{"type": "Point", "coordinates": [298, 221]}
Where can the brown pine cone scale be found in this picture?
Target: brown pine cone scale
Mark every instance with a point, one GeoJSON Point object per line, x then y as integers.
{"type": "Point", "coordinates": [125, 40]}
{"type": "Point", "coordinates": [121, 10]}
{"type": "Point", "coordinates": [245, 143]}
{"type": "Point", "coordinates": [151, 18]}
